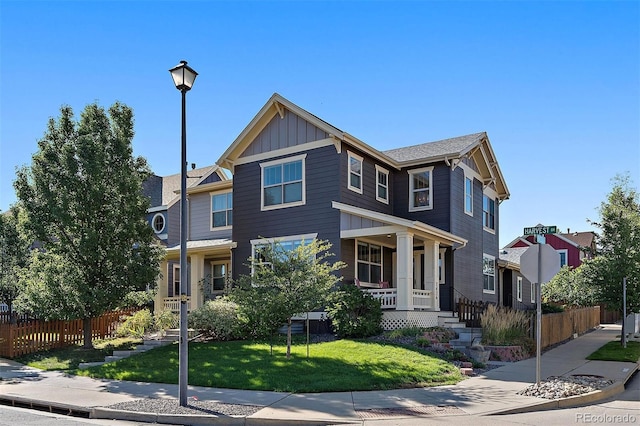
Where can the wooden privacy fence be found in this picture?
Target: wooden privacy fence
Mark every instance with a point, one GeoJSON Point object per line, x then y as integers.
{"type": "Point", "coordinates": [34, 336]}
{"type": "Point", "coordinates": [470, 311]}
{"type": "Point", "coordinates": [561, 326]}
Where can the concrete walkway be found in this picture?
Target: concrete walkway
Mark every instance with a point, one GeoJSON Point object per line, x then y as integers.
{"type": "Point", "coordinates": [491, 393]}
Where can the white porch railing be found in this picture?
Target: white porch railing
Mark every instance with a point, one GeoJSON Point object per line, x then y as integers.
{"type": "Point", "coordinates": [387, 296]}
{"type": "Point", "coordinates": [422, 299]}
{"type": "Point", "coordinates": [173, 303]}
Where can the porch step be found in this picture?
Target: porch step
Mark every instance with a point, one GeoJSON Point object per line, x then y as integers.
{"type": "Point", "coordinates": [118, 355]}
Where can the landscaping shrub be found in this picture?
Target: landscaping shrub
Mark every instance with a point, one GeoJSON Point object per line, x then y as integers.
{"type": "Point", "coordinates": [165, 320]}
{"type": "Point", "coordinates": [354, 313]}
{"type": "Point", "coordinates": [218, 318]}
{"type": "Point", "coordinates": [549, 308]}
{"type": "Point", "coordinates": [503, 326]}
{"type": "Point", "coordinates": [136, 325]}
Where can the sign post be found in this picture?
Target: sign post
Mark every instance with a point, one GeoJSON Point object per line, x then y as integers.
{"type": "Point", "coordinates": [539, 263]}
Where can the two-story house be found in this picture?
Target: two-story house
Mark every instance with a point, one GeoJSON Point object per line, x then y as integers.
{"type": "Point", "coordinates": [417, 226]}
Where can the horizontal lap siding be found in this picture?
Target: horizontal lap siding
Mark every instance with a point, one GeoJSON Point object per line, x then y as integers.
{"type": "Point", "coordinates": [438, 216]}
{"type": "Point", "coordinates": [200, 219]}
{"type": "Point", "coordinates": [367, 199]}
{"type": "Point", "coordinates": [316, 215]}
{"type": "Point", "coordinates": [468, 260]}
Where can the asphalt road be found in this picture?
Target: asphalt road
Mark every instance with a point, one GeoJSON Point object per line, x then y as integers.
{"type": "Point", "coordinates": [12, 416]}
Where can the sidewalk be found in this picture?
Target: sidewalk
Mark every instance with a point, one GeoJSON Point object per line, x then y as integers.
{"type": "Point", "coordinates": [491, 393]}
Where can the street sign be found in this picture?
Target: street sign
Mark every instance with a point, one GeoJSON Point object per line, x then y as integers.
{"type": "Point", "coordinates": [541, 230]}
{"type": "Point", "coordinates": [539, 259]}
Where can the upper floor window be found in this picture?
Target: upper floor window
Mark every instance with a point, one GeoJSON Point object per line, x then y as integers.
{"type": "Point", "coordinates": [420, 193]}
{"type": "Point", "coordinates": [283, 183]}
{"type": "Point", "coordinates": [488, 273]}
{"type": "Point", "coordinates": [533, 293]}
{"type": "Point", "coordinates": [382, 185]}
{"type": "Point", "coordinates": [355, 172]}
{"type": "Point", "coordinates": [221, 210]}
{"type": "Point", "coordinates": [158, 223]}
{"type": "Point", "coordinates": [369, 262]}
{"type": "Point", "coordinates": [488, 212]}
{"type": "Point", "coordinates": [468, 195]}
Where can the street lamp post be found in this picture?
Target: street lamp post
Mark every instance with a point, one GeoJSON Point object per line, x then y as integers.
{"type": "Point", "coordinates": [183, 77]}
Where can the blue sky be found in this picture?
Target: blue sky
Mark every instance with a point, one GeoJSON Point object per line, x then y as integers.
{"type": "Point", "coordinates": [556, 85]}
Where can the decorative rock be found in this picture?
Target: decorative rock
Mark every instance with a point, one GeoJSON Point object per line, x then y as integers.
{"type": "Point", "coordinates": [465, 364]}
{"type": "Point", "coordinates": [562, 387]}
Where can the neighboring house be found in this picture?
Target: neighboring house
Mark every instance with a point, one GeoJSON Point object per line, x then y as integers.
{"type": "Point", "coordinates": [573, 247]}
{"type": "Point", "coordinates": [417, 226]}
{"type": "Point", "coordinates": [516, 292]}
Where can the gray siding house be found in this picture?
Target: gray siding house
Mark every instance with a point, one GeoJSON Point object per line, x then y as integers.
{"type": "Point", "coordinates": [417, 226]}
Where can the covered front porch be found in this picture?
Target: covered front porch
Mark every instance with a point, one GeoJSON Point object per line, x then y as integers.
{"type": "Point", "coordinates": [208, 263]}
{"type": "Point", "coordinates": [400, 262]}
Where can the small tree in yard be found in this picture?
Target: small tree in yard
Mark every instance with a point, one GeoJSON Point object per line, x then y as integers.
{"type": "Point", "coordinates": [83, 200]}
{"type": "Point", "coordinates": [355, 313]}
{"type": "Point", "coordinates": [285, 283]}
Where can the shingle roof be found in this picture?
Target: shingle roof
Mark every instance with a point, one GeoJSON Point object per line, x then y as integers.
{"type": "Point", "coordinates": [583, 239]}
{"type": "Point", "coordinates": [512, 255]}
{"type": "Point", "coordinates": [171, 183]}
{"type": "Point", "coordinates": [453, 146]}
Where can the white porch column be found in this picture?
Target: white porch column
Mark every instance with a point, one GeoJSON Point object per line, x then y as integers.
{"type": "Point", "coordinates": [197, 273]}
{"type": "Point", "coordinates": [431, 272]}
{"type": "Point", "coordinates": [163, 287]}
{"type": "Point", "coordinates": [404, 271]}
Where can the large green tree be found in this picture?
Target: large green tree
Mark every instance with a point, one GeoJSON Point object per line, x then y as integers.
{"type": "Point", "coordinates": [82, 195]}
{"type": "Point", "coordinates": [14, 255]}
{"type": "Point", "coordinates": [619, 247]}
{"type": "Point", "coordinates": [286, 281]}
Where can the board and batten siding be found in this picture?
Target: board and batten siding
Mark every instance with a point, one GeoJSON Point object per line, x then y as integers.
{"type": "Point", "coordinates": [283, 133]}
{"type": "Point", "coordinates": [316, 216]}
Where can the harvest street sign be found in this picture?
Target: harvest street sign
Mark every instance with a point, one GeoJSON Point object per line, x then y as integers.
{"type": "Point", "coordinates": [541, 230]}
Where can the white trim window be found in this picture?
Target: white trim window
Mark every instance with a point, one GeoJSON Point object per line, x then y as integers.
{"type": "Point", "coordinates": [219, 275]}
{"type": "Point", "coordinates": [382, 185]}
{"type": "Point", "coordinates": [158, 223]}
{"type": "Point", "coordinates": [176, 280]}
{"type": "Point", "coordinates": [221, 210]}
{"type": "Point", "coordinates": [368, 262]}
{"type": "Point", "coordinates": [564, 253]}
{"type": "Point", "coordinates": [533, 293]}
{"type": "Point", "coordinates": [288, 243]}
{"type": "Point", "coordinates": [468, 195]}
{"type": "Point", "coordinates": [488, 274]}
{"type": "Point", "coordinates": [355, 163]}
{"type": "Point", "coordinates": [519, 288]}
{"type": "Point", "coordinates": [283, 183]}
{"type": "Point", "coordinates": [420, 189]}
{"type": "Point", "coordinates": [488, 213]}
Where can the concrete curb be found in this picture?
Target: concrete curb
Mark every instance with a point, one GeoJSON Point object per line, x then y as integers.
{"type": "Point", "coordinates": [569, 402]}
{"type": "Point", "coordinates": [183, 419]}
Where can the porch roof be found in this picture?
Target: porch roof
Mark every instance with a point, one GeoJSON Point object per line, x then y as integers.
{"type": "Point", "coordinates": [387, 224]}
{"type": "Point", "coordinates": [202, 246]}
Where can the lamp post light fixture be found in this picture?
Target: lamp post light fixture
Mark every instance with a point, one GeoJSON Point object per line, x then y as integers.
{"type": "Point", "coordinates": [183, 77]}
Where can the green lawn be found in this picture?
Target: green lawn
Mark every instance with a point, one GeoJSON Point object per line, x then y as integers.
{"type": "Point", "coordinates": [341, 365]}
{"type": "Point", "coordinates": [613, 351]}
{"type": "Point", "coordinates": [69, 357]}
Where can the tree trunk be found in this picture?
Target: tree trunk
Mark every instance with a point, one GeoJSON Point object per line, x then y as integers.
{"type": "Point", "coordinates": [86, 328]}
{"type": "Point", "coordinates": [288, 338]}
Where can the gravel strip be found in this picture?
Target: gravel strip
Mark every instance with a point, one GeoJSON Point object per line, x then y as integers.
{"type": "Point", "coordinates": [556, 387]}
{"type": "Point", "coordinates": [194, 407]}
